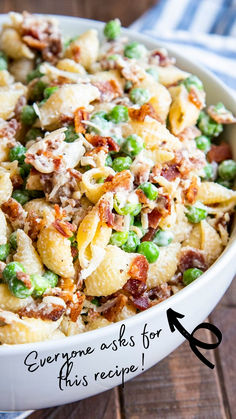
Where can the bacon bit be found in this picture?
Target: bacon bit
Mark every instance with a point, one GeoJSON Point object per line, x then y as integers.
{"type": "Point", "coordinates": [141, 196]}
{"type": "Point", "coordinates": [192, 258]}
{"type": "Point", "coordinates": [122, 180]}
{"type": "Point", "coordinates": [74, 252]}
{"type": "Point", "coordinates": [99, 141]}
{"type": "Point", "coordinates": [10, 129]}
{"type": "Point", "coordinates": [161, 292]}
{"type": "Point", "coordinates": [109, 90]}
{"type": "Point", "coordinates": [93, 314]}
{"type": "Point", "coordinates": [160, 57]}
{"type": "Point", "coordinates": [67, 284]}
{"type": "Point", "coordinates": [66, 120]}
{"type": "Point", "coordinates": [59, 212]}
{"type": "Point", "coordinates": [21, 102]}
{"type": "Point", "coordinates": [75, 173]}
{"type": "Point", "coordinates": [75, 308]}
{"type": "Point", "coordinates": [118, 304]}
{"type": "Point", "coordinates": [170, 171]}
{"type": "Point", "coordinates": [65, 295]}
{"type": "Point", "coordinates": [139, 268]}
{"type": "Point", "coordinates": [196, 97]}
{"type": "Point", "coordinates": [75, 51]}
{"type": "Point", "coordinates": [149, 235]}
{"type": "Point", "coordinates": [25, 278]}
{"type": "Point", "coordinates": [156, 171]}
{"type": "Point", "coordinates": [135, 287]}
{"type": "Point", "coordinates": [64, 227]}
{"type": "Point", "coordinates": [191, 192]}
{"type": "Point", "coordinates": [80, 115]}
{"type": "Point", "coordinates": [33, 225]}
{"type": "Point", "coordinates": [222, 116]}
{"type": "Point", "coordinates": [34, 43]}
{"type": "Point", "coordinates": [141, 173]}
{"type": "Point", "coordinates": [17, 181]}
{"type": "Point", "coordinates": [189, 133]}
{"type": "Point", "coordinates": [141, 113]}
{"type": "Point", "coordinates": [118, 222]}
{"type": "Point", "coordinates": [15, 212]}
{"type": "Point", "coordinates": [154, 218]}
{"type": "Point", "coordinates": [105, 213]}
{"type": "Point", "coordinates": [55, 312]}
{"type": "Point", "coordinates": [141, 303]}
{"type": "Point", "coordinates": [218, 153]}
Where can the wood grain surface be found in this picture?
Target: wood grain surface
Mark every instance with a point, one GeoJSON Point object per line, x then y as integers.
{"type": "Point", "coordinates": [179, 387]}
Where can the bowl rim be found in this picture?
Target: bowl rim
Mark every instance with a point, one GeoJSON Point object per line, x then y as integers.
{"type": "Point", "coordinates": [221, 262]}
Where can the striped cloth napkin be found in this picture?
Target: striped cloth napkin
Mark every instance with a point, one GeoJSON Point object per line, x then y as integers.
{"type": "Point", "coordinates": [203, 29]}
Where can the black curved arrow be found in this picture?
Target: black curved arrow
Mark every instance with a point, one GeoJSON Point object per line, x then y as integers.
{"type": "Point", "coordinates": [174, 324]}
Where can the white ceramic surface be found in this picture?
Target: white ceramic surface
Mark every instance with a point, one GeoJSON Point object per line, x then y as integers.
{"type": "Point", "coordinates": [33, 387]}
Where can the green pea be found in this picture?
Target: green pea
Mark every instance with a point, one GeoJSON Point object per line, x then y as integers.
{"type": "Point", "coordinates": [192, 81]}
{"type": "Point", "coordinates": [33, 75]}
{"type": "Point", "coordinates": [134, 50]}
{"type": "Point", "coordinates": [128, 86]}
{"type": "Point", "coordinates": [118, 238]}
{"type": "Point", "coordinates": [96, 301]}
{"type": "Point", "coordinates": [208, 126]}
{"type": "Point", "coordinates": [203, 143]}
{"type": "Point", "coordinates": [18, 288]}
{"type": "Point", "coordinates": [102, 125]}
{"type": "Point", "coordinates": [196, 214]}
{"type": "Point", "coordinates": [4, 251]}
{"type": "Point", "coordinates": [133, 145]}
{"type": "Point", "coordinates": [227, 170]}
{"type": "Point", "coordinates": [112, 29]}
{"type": "Point", "coordinates": [149, 250]}
{"type": "Point", "coordinates": [121, 163]}
{"type": "Point", "coordinates": [132, 242]}
{"type": "Point", "coordinates": [154, 72]}
{"type": "Point", "coordinates": [119, 114]}
{"type": "Point", "coordinates": [139, 95]}
{"type": "Point", "coordinates": [13, 240]}
{"type": "Point", "coordinates": [36, 93]}
{"type": "Point", "coordinates": [101, 180]}
{"type": "Point", "coordinates": [108, 161]}
{"type": "Point", "coordinates": [208, 172]}
{"type": "Point", "coordinates": [28, 115]}
{"type": "Point", "coordinates": [11, 270]}
{"type": "Point", "coordinates": [25, 170]}
{"type": "Point", "coordinates": [113, 57]}
{"type": "Point", "coordinates": [36, 194]}
{"type": "Point", "coordinates": [52, 278]}
{"type": "Point", "coordinates": [32, 134]}
{"type": "Point", "coordinates": [40, 285]}
{"type": "Point", "coordinates": [226, 183]}
{"type": "Point", "coordinates": [149, 190]}
{"type": "Point", "coordinates": [21, 196]}
{"type": "Point", "coordinates": [17, 153]}
{"type": "Point", "coordinates": [70, 134]}
{"type": "Point", "coordinates": [190, 275]}
{"type": "Point", "coordinates": [3, 61]}
{"type": "Point", "coordinates": [128, 208]}
{"type": "Point", "coordinates": [163, 238]}
{"type": "Point", "coordinates": [49, 91]}
{"type": "Point", "coordinates": [220, 108]}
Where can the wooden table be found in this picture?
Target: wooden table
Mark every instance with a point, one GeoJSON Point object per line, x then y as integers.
{"type": "Point", "coordinates": [180, 386]}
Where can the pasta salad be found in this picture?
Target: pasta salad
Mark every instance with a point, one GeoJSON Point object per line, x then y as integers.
{"type": "Point", "coordinates": [116, 180]}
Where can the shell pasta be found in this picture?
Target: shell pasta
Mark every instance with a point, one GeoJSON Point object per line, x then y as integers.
{"type": "Point", "coordinates": [116, 180]}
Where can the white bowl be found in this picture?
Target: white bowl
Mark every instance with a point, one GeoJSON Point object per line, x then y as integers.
{"type": "Point", "coordinates": [33, 387]}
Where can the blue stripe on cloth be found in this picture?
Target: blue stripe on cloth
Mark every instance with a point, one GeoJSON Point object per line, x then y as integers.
{"type": "Point", "coordinates": [153, 16]}
{"type": "Point", "coordinates": [189, 13]}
